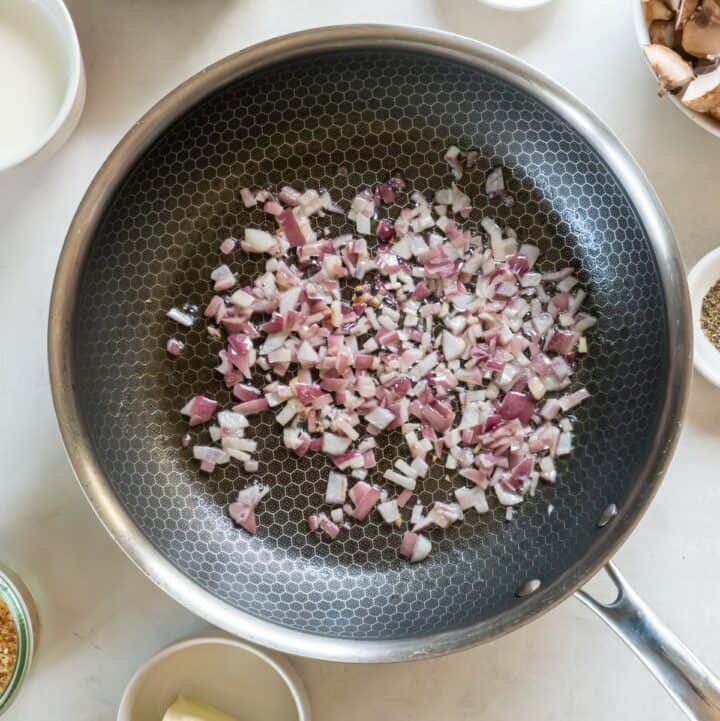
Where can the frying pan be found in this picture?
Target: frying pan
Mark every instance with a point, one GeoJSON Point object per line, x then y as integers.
{"type": "Point", "coordinates": [340, 108]}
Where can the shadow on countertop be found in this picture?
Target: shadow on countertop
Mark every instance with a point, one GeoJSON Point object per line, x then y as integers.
{"type": "Point", "coordinates": [704, 406]}
{"type": "Point", "coordinates": [142, 50]}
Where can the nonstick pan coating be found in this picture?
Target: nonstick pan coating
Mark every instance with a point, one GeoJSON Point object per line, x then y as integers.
{"type": "Point", "coordinates": [343, 119]}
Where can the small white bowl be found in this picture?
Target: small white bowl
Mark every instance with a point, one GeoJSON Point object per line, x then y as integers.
{"type": "Point", "coordinates": [700, 279]}
{"type": "Point", "coordinates": [65, 120]}
{"type": "Point", "coordinates": [704, 121]}
{"type": "Point", "coordinates": [245, 682]}
{"type": "Point", "coordinates": [515, 5]}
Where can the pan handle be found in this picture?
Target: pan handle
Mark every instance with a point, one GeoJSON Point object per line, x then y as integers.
{"type": "Point", "coordinates": [691, 684]}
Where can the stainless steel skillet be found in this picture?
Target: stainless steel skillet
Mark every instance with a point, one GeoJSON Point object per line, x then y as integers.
{"type": "Point", "coordinates": [339, 108]}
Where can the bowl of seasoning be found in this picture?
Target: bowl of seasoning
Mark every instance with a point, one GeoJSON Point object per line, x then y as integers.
{"type": "Point", "coordinates": [704, 284]}
{"type": "Point", "coordinates": [18, 624]}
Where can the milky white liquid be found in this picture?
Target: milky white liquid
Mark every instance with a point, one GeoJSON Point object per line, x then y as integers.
{"type": "Point", "coordinates": [33, 77]}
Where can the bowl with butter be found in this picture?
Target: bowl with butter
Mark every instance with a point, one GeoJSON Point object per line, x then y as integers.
{"type": "Point", "coordinates": [214, 679]}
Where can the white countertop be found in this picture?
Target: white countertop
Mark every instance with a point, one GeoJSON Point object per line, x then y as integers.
{"type": "Point", "coordinates": [101, 618]}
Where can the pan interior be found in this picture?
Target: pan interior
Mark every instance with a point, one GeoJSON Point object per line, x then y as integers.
{"type": "Point", "coordinates": [342, 121]}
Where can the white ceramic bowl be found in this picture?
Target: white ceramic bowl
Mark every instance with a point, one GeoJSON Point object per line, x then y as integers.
{"type": "Point", "coordinates": [70, 109]}
{"type": "Point", "coordinates": [700, 279]}
{"type": "Point", "coordinates": [704, 121]}
{"type": "Point", "coordinates": [515, 5]}
{"type": "Point", "coordinates": [245, 682]}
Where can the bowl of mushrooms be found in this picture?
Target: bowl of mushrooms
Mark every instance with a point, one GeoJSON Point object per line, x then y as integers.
{"type": "Point", "coordinates": [681, 42]}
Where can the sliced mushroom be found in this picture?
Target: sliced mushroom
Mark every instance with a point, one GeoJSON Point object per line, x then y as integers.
{"type": "Point", "coordinates": [656, 10]}
{"type": "Point", "coordinates": [711, 8]}
{"type": "Point", "coordinates": [672, 71]}
{"type": "Point", "coordinates": [703, 93]}
{"type": "Point", "coordinates": [685, 11]}
{"type": "Point", "coordinates": [662, 32]}
{"type": "Point", "coordinates": [701, 35]}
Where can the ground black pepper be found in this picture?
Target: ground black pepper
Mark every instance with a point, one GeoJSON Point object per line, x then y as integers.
{"type": "Point", "coordinates": [710, 315]}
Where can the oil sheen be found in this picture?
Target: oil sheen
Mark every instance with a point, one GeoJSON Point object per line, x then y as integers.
{"type": "Point", "coordinates": [33, 80]}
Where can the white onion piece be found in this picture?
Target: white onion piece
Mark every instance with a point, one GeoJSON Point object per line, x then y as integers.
{"type": "Point", "coordinates": [181, 317]}
{"type": "Point", "coordinates": [422, 549]}
{"type": "Point", "coordinates": [336, 489]}
{"type": "Point", "coordinates": [464, 497]}
{"type": "Point", "coordinates": [248, 198]}
{"type": "Point", "coordinates": [223, 277]}
{"type": "Point", "coordinates": [472, 498]}
{"type": "Point", "coordinates": [531, 252]}
{"type": "Point", "coordinates": [232, 421]}
{"type": "Point", "coordinates": [531, 280]}
{"type": "Point", "coordinates": [495, 183]}
{"type": "Point", "coordinates": [389, 511]}
{"type": "Point", "coordinates": [507, 498]}
{"type": "Point", "coordinates": [400, 480]}
{"type": "Point", "coordinates": [452, 345]}
{"type": "Point", "coordinates": [424, 366]}
{"type": "Point", "coordinates": [380, 418]}
{"type": "Point", "coordinates": [258, 241]}
{"type": "Point", "coordinates": [453, 158]}
{"type": "Point", "coordinates": [238, 444]}
{"type": "Point", "coordinates": [480, 503]}
{"type": "Point", "coordinates": [537, 388]}
{"type": "Point", "coordinates": [289, 299]}
{"type": "Point", "coordinates": [210, 454]}
{"type": "Point", "coordinates": [253, 494]}
{"type": "Point", "coordinates": [288, 412]}
{"type": "Point", "coordinates": [334, 445]}
{"type": "Point", "coordinates": [362, 225]}
{"type": "Point", "coordinates": [242, 299]}
{"type": "Point", "coordinates": [406, 469]}
{"type": "Point", "coordinates": [573, 399]}
{"type": "Point", "coordinates": [565, 444]}
{"type": "Point", "coordinates": [420, 467]}
{"type": "Point", "coordinates": [227, 246]}
{"type": "Point", "coordinates": [174, 346]}
{"type": "Point", "coordinates": [547, 469]}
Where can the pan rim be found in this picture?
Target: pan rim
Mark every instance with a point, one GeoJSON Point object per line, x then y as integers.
{"type": "Point", "coordinates": [113, 172]}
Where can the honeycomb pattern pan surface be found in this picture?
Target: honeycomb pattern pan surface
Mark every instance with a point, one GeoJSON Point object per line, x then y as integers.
{"type": "Point", "coordinates": [342, 120]}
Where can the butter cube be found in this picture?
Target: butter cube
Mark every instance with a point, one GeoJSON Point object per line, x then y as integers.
{"type": "Point", "coordinates": [189, 709]}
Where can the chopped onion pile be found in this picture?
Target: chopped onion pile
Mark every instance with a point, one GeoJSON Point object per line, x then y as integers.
{"type": "Point", "coordinates": [449, 334]}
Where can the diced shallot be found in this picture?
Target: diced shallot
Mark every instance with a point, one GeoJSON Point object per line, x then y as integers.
{"type": "Point", "coordinates": [227, 246]}
{"type": "Point", "coordinates": [200, 409]}
{"type": "Point", "coordinates": [366, 503]}
{"type": "Point", "coordinates": [336, 489]}
{"type": "Point", "coordinates": [415, 547]}
{"type": "Point", "coordinates": [443, 331]}
{"type": "Point", "coordinates": [175, 346]}
{"type": "Point", "coordinates": [389, 511]}
{"type": "Point", "coordinates": [181, 317]}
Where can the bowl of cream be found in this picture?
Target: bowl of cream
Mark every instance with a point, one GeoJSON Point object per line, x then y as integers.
{"type": "Point", "coordinates": [42, 79]}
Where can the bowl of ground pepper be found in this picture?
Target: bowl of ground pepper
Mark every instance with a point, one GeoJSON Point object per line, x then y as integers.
{"type": "Point", "coordinates": [17, 636]}
{"type": "Point", "coordinates": [704, 284]}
